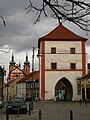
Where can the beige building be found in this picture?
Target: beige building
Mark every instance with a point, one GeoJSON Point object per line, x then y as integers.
{"type": "Point", "coordinates": [85, 87]}
{"type": "Point", "coordinates": [27, 87]}
{"type": "Point", "coordinates": [62, 61]}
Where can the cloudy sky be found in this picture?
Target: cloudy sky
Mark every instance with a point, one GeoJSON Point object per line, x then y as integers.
{"type": "Point", "coordinates": [22, 35]}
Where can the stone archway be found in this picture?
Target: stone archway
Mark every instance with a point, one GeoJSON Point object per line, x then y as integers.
{"type": "Point", "coordinates": [63, 89]}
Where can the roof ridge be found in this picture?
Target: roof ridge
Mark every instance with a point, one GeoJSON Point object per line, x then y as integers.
{"type": "Point", "coordinates": [62, 32]}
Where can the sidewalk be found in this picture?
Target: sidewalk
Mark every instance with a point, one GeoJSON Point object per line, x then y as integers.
{"type": "Point", "coordinates": [33, 116]}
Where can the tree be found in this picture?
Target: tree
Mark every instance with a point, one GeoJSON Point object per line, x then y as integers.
{"type": "Point", "coordinates": [75, 11]}
{"type": "Point", "coordinates": [5, 48]}
{"type": "Point", "coordinates": [3, 20]}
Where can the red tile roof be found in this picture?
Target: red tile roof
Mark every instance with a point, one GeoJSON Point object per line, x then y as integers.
{"type": "Point", "coordinates": [87, 76]}
{"type": "Point", "coordinates": [10, 82]}
{"type": "Point", "coordinates": [35, 75]}
{"type": "Point", "coordinates": [62, 33]}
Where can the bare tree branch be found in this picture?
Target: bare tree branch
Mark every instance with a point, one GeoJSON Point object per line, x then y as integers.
{"type": "Point", "coordinates": [3, 21]}
{"type": "Point", "coordinates": [76, 11]}
{"type": "Point", "coordinates": [5, 48]}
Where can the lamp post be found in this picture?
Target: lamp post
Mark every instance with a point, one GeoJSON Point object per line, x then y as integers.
{"type": "Point", "coordinates": [7, 90]}
{"type": "Point", "coordinates": [32, 94]}
{"type": "Point", "coordinates": [79, 86]}
{"type": "Point", "coordinates": [32, 77]}
{"type": "Point", "coordinates": [39, 58]}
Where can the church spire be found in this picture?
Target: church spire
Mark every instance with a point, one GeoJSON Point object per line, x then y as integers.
{"type": "Point", "coordinates": [26, 62]}
{"type": "Point", "coordinates": [12, 63]}
{"type": "Point", "coordinates": [27, 65]}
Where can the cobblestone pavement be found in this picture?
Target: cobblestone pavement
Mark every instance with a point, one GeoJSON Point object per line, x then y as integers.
{"type": "Point", "coordinates": [61, 110]}
{"type": "Point", "coordinates": [53, 111]}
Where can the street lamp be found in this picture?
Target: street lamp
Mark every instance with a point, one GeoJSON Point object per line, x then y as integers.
{"type": "Point", "coordinates": [32, 95]}
{"type": "Point", "coordinates": [79, 85]}
{"type": "Point", "coordinates": [39, 58]}
{"type": "Point", "coordinates": [32, 77]}
{"type": "Point", "coordinates": [7, 90]}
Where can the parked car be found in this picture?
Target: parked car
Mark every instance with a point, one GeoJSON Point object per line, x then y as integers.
{"type": "Point", "coordinates": [1, 103]}
{"type": "Point", "coordinates": [15, 104]}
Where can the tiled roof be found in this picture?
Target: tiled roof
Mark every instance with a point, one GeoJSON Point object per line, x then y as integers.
{"type": "Point", "coordinates": [35, 75]}
{"type": "Point", "coordinates": [62, 33]}
{"type": "Point", "coordinates": [87, 76]}
{"type": "Point", "coordinates": [10, 82]}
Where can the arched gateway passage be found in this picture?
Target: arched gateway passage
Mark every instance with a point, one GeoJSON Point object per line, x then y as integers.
{"type": "Point", "coordinates": [63, 90]}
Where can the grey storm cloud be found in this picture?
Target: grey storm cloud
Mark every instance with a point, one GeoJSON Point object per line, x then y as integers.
{"type": "Point", "coordinates": [20, 31]}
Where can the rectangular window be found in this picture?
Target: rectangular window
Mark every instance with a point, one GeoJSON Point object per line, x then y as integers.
{"type": "Point", "coordinates": [72, 50]}
{"type": "Point", "coordinates": [31, 85]}
{"type": "Point", "coordinates": [53, 50]}
{"type": "Point", "coordinates": [73, 66]}
{"type": "Point", "coordinates": [28, 85]}
{"type": "Point", "coordinates": [53, 65]}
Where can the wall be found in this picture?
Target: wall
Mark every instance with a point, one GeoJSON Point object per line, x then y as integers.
{"type": "Point", "coordinates": [63, 59]}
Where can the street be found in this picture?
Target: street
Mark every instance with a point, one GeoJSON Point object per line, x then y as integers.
{"type": "Point", "coordinates": [61, 110]}
{"type": "Point", "coordinates": [53, 111]}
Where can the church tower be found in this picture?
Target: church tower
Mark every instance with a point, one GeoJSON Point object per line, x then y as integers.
{"type": "Point", "coordinates": [27, 66]}
{"type": "Point", "coordinates": [12, 63]}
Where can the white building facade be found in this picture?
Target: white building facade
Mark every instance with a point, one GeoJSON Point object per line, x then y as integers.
{"type": "Point", "coordinates": [21, 89]}
{"type": "Point", "coordinates": [62, 61]}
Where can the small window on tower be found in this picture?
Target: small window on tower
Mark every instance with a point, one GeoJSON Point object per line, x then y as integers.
{"type": "Point", "coordinates": [72, 50]}
{"type": "Point", "coordinates": [53, 65]}
{"type": "Point", "coordinates": [21, 76]}
{"type": "Point", "coordinates": [53, 50]}
{"type": "Point", "coordinates": [16, 75]}
{"type": "Point", "coordinates": [26, 70]}
{"type": "Point", "coordinates": [73, 66]}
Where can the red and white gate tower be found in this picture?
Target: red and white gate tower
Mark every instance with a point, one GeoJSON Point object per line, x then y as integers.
{"type": "Point", "coordinates": [62, 61]}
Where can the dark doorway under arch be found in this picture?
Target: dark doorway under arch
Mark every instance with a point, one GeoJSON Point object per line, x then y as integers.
{"type": "Point", "coordinates": [63, 89]}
